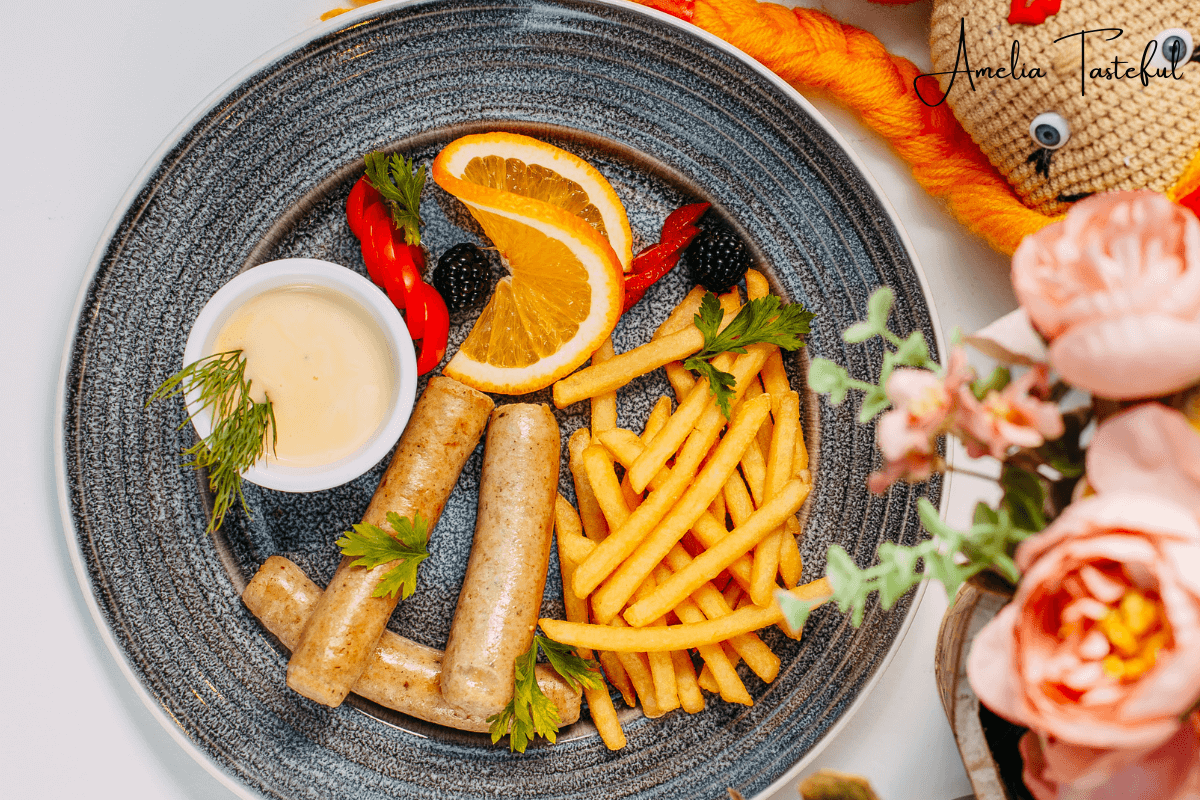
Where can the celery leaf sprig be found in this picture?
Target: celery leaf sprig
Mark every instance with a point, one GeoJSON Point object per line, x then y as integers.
{"type": "Point", "coordinates": [761, 321]}
{"type": "Point", "coordinates": [530, 712]}
{"type": "Point", "coordinates": [400, 183]}
{"type": "Point", "coordinates": [372, 546]}
{"type": "Point", "coordinates": [240, 430]}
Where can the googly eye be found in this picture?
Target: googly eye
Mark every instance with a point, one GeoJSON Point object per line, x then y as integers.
{"type": "Point", "coordinates": [1050, 130]}
{"type": "Point", "coordinates": [1175, 47]}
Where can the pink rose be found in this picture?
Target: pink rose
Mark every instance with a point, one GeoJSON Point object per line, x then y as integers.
{"type": "Point", "coordinates": [1151, 449]}
{"type": "Point", "coordinates": [1115, 288]}
{"type": "Point", "coordinates": [1056, 770]}
{"type": "Point", "coordinates": [1100, 647]}
{"type": "Point", "coordinates": [923, 403]}
{"type": "Point", "coordinates": [1015, 416]}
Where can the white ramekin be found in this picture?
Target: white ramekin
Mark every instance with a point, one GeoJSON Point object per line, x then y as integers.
{"type": "Point", "coordinates": [354, 287]}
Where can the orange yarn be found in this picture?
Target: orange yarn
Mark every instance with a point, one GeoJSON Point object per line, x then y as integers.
{"type": "Point", "coordinates": [812, 49]}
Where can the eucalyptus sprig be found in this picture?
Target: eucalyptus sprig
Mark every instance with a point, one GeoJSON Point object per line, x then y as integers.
{"type": "Point", "coordinates": [950, 557]}
{"type": "Point", "coordinates": [826, 377]}
{"type": "Point", "coordinates": [240, 428]}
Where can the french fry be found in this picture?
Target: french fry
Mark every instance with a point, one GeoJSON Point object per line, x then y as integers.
{"type": "Point", "coordinates": [662, 670]}
{"type": "Point", "coordinates": [685, 636]}
{"type": "Point", "coordinates": [617, 547]}
{"type": "Point", "coordinates": [708, 532]}
{"type": "Point", "coordinates": [681, 316]}
{"type": "Point", "coordinates": [775, 381]}
{"type": "Point", "coordinates": [706, 565]}
{"type": "Point", "coordinates": [737, 499]}
{"type": "Point", "coordinates": [568, 528]}
{"type": "Point", "coordinates": [754, 467]}
{"type": "Point", "coordinates": [575, 548]}
{"type": "Point", "coordinates": [622, 368]}
{"type": "Point", "coordinates": [624, 445]}
{"type": "Point", "coordinates": [743, 369]}
{"type": "Point", "coordinates": [681, 379]}
{"type": "Point", "coordinates": [637, 667]}
{"type": "Point", "coordinates": [779, 471]}
{"type": "Point", "coordinates": [675, 432]}
{"type": "Point", "coordinates": [717, 507]}
{"type": "Point", "coordinates": [790, 564]}
{"type": "Point", "coordinates": [729, 684]}
{"type": "Point", "coordinates": [604, 717]}
{"type": "Point", "coordinates": [617, 590]}
{"type": "Point", "coordinates": [603, 479]}
{"type": "Point", "coordinates": [604, 406]}
{"type": "Point", "coordinates": [595, 527]}
{"type": "Point", "coordinates": [632, 498]}
{"type": "Point", "coordinates": [658, 417]}
{"type": "Point", "coordinates": [756, 284]}
{"type": "Point", "coordinates": [706, 680]}
{"type": "Point", "coordinates": [690, 696]}
{"type": "Point", "coordinates": [764, 433]}
{"type": "Point", "coordinates": [732, 594]}
{"type": "Point", "coordinates": [615, 672]}
{"type": "Point", "coordinates": [800, 459]}
{"type": "Point", "coordinates": [756, 654]}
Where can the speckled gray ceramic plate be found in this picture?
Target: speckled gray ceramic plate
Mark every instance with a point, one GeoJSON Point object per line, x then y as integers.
{"type": "Point", "coordinates": [262, 172]}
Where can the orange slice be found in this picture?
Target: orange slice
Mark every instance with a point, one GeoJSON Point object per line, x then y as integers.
{"type": "Point", "coordinates": [532, 168]}
{"type": "Point", "coordinates": [563, 295]}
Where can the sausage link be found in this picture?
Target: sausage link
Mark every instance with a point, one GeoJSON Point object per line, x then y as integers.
{"type": "Point", "coordinates": [344, 628]}
{"type": "Point", "coordinates": [400, 674]}
{"type": "Point", "coordinates": [501, 594]}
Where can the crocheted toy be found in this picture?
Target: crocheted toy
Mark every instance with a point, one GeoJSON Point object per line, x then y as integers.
{"type": "Point", "coordinates": [1023, 132]}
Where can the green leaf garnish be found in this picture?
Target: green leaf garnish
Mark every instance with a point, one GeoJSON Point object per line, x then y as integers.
{"type": "Point", "coordinates": [400, 184]}
{"type": "Point", "coordinates": [529, 712]}
{"type": "Point", "coordinates": [240, 426]}
{"type": "Point", "coordinates": [374, 546]}
{"type": "Point", "coordinates": [577, 672]}
{"type": "Point", "coordinates": [950, 557]}
{"type": "Point", "coordinates": [761, 321]}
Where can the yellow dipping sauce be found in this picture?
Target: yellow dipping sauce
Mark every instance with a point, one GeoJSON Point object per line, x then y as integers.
{"type": "Point", "coordinates": [324, 364]}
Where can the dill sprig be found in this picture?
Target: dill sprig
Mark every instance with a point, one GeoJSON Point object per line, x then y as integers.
{"type": "Point", "coordinates": [240, 425]}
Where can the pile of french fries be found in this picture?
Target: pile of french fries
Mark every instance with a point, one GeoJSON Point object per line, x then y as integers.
{"type": "Point", "coordinates": [685, 550]}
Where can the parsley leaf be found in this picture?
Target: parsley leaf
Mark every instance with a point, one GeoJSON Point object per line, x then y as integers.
{"type": "Point", "coordinates": [375, 546]}
{"type": "Point", "coordinates": [575, 671]}
{"type": "Point", "coordinates": [529, 712]}
{"type": "Point", "coordinates": [761, 321]}
{"type": "Point", "coordinates": [400, 184]}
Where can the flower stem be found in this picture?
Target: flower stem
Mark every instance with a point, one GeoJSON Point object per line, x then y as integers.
{"type": "Point", "coordinates": [973, 474]}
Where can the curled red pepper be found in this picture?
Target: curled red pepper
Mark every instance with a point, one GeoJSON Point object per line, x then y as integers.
{"type": "Point", "coordinates": [396, 267]}
{"type": "Point", "coordinates": [436, 324]}
{"type": "Point", "coordinates": [657, 260]}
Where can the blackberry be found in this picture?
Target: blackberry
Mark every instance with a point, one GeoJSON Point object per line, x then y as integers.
{"type": "Point", "coordinates": [463, 277]}
{"type": "Point", "coordinates": [717, 259]}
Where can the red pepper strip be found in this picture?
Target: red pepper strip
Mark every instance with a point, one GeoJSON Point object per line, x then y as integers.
{"type": "Point", "coordinates": [416, 312]}
{"type": "Point", "coordinates": [376, 218]}
{"type": "Point", "coordinates": [652, 263]}
{"type": "Point", "coordinates": [681, 218]}
{"type": "Point", "coordinates": [410, 262]}
{"type": "Point", "coordinates": [437, 330]}
{"type": "Point", "coordinates": [362, 195]}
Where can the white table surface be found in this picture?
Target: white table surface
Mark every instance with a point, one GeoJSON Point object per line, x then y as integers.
{"type": "Point", "coordinates": [90, 90]}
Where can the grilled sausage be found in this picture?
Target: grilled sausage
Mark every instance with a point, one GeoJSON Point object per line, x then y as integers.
{"type": "Point", "coordinates": [400, 674]}
{"type": "Point", "coordinates": [501, 594]}
{"type": "Point", "coordinates": [344, 628]}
